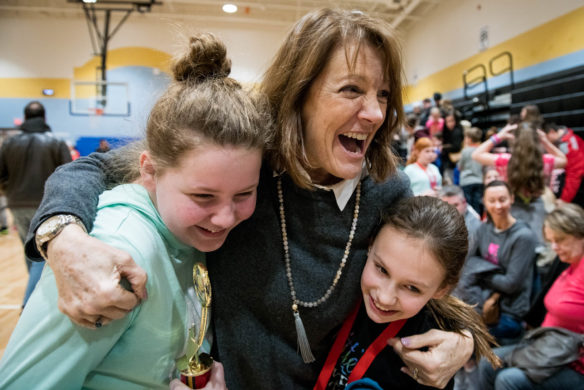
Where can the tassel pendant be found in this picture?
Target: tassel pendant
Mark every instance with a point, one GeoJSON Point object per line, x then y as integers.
{"type": "Point", "coordinates": [303, 343]}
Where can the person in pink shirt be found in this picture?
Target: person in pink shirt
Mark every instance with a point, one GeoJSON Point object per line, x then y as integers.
{"type": "Point", "coordinates": [435, 124]}
{"type": "Point", "coordinates": [564, 228]}
{"type": "Point", "coordinates": [519, 172]}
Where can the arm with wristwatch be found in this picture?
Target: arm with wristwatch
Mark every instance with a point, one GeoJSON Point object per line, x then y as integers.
{"type": "Point", "coordinates": [59, 231]}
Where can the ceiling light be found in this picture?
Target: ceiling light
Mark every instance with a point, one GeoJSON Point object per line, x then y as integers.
{"type": "Point", "coordinates": [89, 1]}
{"type": "Point", "coordinates": [229, 8]}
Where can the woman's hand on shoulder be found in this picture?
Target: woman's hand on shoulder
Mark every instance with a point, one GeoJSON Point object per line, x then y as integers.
{"type": "Point", "coordinates": [216, 380]}
{"type": "Point", "coordinates": [88, 274]}
{"type": "Point", "coordinates": [446, 353]}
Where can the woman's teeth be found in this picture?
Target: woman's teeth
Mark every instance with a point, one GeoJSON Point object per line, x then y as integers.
{"type": "Point", "coordinates": [357, 136]}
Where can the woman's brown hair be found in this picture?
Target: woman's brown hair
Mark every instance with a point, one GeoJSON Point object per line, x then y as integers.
{"type": "Point", "coordinates": [303, 56]}
{"type": "Point", "coordinates": [525, 168]}
{"type": "Point", "coordinates": [443, 232]}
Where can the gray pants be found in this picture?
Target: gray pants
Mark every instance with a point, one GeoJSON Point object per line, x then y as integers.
{"type": "Point", "coordinates": [22, 218]}
{"type": "Point", "coordinates": [3, 212]}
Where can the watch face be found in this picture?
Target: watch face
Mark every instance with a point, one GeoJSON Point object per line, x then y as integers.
{"type": "Point", "coordinates": [50, 225]}
{"type": "Point", "coordinates": [54, 224]}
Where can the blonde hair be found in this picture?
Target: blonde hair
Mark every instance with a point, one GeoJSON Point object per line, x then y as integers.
{"type": "Point", "coordinates": [300, 60]}
{"type": "Point", "coordinates": [567, 219]}
{"type": "Point", "coordinates": [474, 133]}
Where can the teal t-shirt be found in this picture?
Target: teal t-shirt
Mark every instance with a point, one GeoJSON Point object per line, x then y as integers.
{"type": "Point", "coordinates": [139, 351]}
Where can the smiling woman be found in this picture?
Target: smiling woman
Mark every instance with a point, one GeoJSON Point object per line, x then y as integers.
{"type": "Point", "coordinates": [344, 109]}
{"type": "Point", "coordinates": [503, 258]}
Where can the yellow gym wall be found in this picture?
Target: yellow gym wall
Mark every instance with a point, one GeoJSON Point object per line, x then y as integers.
{"type": "Point", "coordinates": [127, 56]}
{"type": "Point", "coordinates": [558, 37]}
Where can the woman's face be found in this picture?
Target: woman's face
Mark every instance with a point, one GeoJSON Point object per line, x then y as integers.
{"type": "Point", "coordinates": [491, 175]}
{"type": "Point", "coordinates": [568, 248]}
{"type": "Point", "coordinates": [400, 277]}
{"type": "Point", "coordinates": [498, 201]}
{"type": "Point", "coordinates": [342, 113]}
{"type": "Point", "coordinates": [211, 191]}
{"type": "Point", "coordinates": [427, 155]}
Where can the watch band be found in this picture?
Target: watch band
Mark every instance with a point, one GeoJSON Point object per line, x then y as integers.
{"type": "Point", "coordinates": [51, 228]}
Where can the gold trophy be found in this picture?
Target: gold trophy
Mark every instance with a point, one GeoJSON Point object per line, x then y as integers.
{"type": "Point", "coordinates": [197, 374]}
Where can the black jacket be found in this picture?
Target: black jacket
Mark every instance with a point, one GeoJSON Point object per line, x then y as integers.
{"type": "Point", "coordinates": [27, 160]}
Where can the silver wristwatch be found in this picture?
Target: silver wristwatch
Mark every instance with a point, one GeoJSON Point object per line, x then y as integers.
{"type": "Point", "coordinates": [51, 228]}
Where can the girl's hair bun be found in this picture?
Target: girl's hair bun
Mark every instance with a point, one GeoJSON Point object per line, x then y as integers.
{"type": "Point", "coordinates": [206, 57]}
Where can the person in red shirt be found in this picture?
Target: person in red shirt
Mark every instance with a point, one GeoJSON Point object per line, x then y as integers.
{"type": "Point", "coordinates": [573, 147]}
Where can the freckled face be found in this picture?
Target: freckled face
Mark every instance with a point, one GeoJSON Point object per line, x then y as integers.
{"type": "Point", "coordinates": [427, 155]}
{"type": "Point", "coordinates": [211, 191]}
{"type": "Point", "coordinates": [400, 277]}
{"type": "Point", "coordinates": [342, 113]}
{"type": "Point", "coordinates": [569, 249]}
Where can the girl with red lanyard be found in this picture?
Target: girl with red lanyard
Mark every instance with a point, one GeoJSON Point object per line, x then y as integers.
{"type": "Point", "coordinates": [413, 263]}
{"type": "Point", "coordinates": [425, 178]}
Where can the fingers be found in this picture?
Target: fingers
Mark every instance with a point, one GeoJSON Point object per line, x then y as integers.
{"type": "Point", "coordinates": [96, 323]}
{"type": "Point", "coordinates": [444, 353]}
{"type": "Point", "coordinates": [217, 378]}
{"type": "Point", "coordinates": [88, 275]}
{"type": "Point", "coordinates": [428, 339]}
{"type": "Point", "coordinates": [175, 384]}
{"type": "Point", "coordinates": [217, 373]}
{"type": "Point", "coordinates": [136, 276]}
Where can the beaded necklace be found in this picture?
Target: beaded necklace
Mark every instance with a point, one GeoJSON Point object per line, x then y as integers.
{"type": "Point", "coordinates": [303, 343]}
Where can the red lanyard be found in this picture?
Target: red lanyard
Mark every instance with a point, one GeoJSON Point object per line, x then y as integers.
{"type": "Point", "coordinates": [365, 361]}
{"type": "Point", "coordinates": [432, 178]}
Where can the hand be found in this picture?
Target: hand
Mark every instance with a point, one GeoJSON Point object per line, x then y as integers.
{"type": "Point", "coordinates": [88, 274]}
{"type": "Point", "coordinates": [447, 352]}
{"type": "Point", "coordinates": [505, 133]}
{"type": "Point", "coordinates": [542, 136]}
{"type": "Point", "coordinates": [216, 380]}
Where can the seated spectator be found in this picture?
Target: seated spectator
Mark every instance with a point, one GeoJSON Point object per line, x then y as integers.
{"type": "Point", "coordinates": [564, 228]}
{"type": "Point", "coordinates": [573, 147]}
{"type": "Point", "coordinates": [500, 261]}
{"type": "Point", "coordinates": [425, 178]}
{"type": "Point", "coordinates": [454, 196]}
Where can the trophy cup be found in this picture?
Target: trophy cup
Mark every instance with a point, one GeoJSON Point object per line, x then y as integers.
{"type": "Point", "coordinates": [198, 371]}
